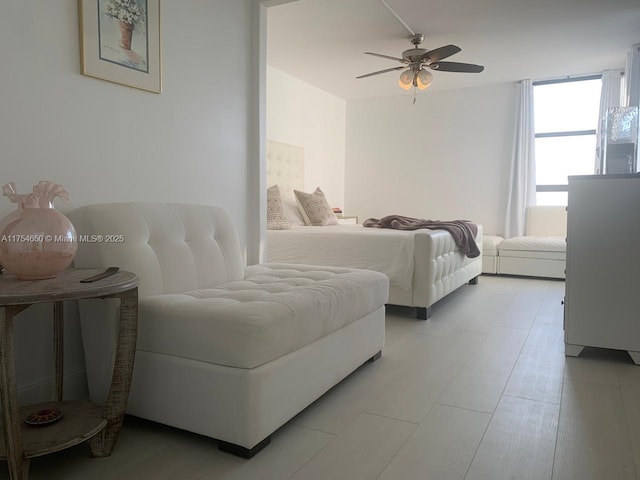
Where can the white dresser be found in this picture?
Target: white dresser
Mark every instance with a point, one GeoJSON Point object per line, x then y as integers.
{"type": "Point", "coordinates": [602, 303]}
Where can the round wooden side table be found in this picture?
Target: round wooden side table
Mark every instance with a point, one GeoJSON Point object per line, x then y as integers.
{"type": "Point", "coordinates": [81, 420]}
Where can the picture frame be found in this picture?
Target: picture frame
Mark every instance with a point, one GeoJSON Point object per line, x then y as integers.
{"type": "Point", "coordinates": [120, 42]}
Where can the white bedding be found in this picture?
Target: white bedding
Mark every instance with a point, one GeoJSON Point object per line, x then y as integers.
{"type": "Point", "coordinates": [383, 250]}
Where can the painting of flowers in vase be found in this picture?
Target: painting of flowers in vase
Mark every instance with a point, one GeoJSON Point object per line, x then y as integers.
{"type": "Point", "coordinates": [120, 42]}
{"type": "Point", "coordinates": [123, 33]}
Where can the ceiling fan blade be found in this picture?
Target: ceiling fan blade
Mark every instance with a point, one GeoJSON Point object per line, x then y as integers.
{"type": "Point", "coordinates": [385, 56]}
{"type": "Point", "coordinates": [442, 53]}
{"type": "Point", "coordinates": [381, 71]}
{"type": "Point", "coordinates": [456, 67]}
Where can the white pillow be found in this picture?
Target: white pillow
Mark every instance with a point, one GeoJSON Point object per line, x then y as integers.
{"type": "Point", "coordinates": [292, 211]}
{"type": "Point", "coordinates": [276, 218]}
{"type": "Point", "coordinates": [315, 209]}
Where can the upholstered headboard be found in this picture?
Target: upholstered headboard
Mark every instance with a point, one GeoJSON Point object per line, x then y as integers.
{"type": "Point", "coordinates": [285, 167]}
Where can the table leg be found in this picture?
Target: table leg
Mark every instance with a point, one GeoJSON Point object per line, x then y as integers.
{"type": "Point", "coordinates": [17, 463]}
{"type": "Point", "coordinates": [102, 444]}
{"type": "Point", "coordinates": [58, 349]}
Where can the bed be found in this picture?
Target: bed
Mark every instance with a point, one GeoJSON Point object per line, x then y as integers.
{"type": "Point", "coordinates": [423, 265]}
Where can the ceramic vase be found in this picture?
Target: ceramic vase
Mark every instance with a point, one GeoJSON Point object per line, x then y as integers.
{"type": "Point", "coordinates": [126, 32]}
{"type": "Point", "coordinates": [36, 241]}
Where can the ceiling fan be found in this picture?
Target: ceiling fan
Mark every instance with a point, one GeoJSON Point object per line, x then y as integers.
{"type": "Point", "coordinates": [415, 61]}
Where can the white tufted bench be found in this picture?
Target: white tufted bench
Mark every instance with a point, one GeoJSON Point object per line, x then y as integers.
{"type": "Point", "coordinates": [542, 251]}
{"type": "Point", "coordinates": [490, 244]}
{"type": "Point", "coordinates": [224, 350]}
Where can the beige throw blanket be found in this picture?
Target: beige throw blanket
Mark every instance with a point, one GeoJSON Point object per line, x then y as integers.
{"type": "Point", "coordinates": [462, 231]}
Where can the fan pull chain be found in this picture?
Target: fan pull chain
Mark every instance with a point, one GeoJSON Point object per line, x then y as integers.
{"type": "Point", "coordinates": [414, 95]}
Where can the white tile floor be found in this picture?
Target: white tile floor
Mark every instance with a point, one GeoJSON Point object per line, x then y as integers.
{"type": "Point", "coordinates": [482, 391]}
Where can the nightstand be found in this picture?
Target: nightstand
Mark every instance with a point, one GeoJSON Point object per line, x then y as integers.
{"type": "Point", "coordinates": [347, 220]}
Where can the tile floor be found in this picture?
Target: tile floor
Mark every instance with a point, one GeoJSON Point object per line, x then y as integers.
{"type": "Point", "coordinates": [482, 391]}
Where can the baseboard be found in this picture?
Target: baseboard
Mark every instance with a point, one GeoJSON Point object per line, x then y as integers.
{"type": "Point", "coordinates": [74, 387]}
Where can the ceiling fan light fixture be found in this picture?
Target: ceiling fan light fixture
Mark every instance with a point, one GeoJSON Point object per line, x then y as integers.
{"type": "Point", "coordinates": [406, 79]}
{"type": "Point", "coordinates": [417, 63]}
{"type": "Point", "coordinates": [423, 79]}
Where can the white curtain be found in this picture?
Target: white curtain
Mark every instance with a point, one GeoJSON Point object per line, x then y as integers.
{"type": "Point", "coordinates": [609, 98]}
{"type": "Point", "coordinates": [632, 77]}
{"type": "Point", "coordinates": [522, 189]}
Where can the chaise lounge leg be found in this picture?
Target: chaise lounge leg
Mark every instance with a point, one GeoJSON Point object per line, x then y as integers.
{"type": "Point", "coordinates": [243, 452]}
{"type": "Point", "coordinates": [423, 313]}
{"type": "Point", "coordinates": [375, 357]}
{"type": "Point", "coordinates": [473, 281]}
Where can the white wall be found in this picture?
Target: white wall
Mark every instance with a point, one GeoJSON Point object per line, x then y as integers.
{"type": "Point", "coordinates": [446, 157]}
{"type": "Point", "coordinates": [105, 142]}
{"type": "Point", "coordinates": [303, 115]}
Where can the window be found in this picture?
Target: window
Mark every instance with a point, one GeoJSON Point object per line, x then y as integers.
{"type": "Point", "coordinates": [566, 117]}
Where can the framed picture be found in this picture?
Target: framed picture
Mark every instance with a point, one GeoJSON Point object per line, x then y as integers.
{"type": "Point", "coordinates": [120, 42]}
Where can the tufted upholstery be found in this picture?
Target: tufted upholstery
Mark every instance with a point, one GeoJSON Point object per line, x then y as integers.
{"type": "Point", "coordinates": [439, 268]}
{"type": "Point", "coordinates": [224, 350]}
{"type": "Point", "coordinates": [542, 251]}
{"type": "Point", "coordinates": [285, 167]}
{"type": "Point", "coordinates": [276, 309]}
{"type": "Point", "coordinates": [529, 246]}
{"type": "Point", "coordinates": [164, 244]}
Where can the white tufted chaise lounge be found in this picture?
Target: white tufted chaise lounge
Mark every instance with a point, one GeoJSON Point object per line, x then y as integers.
{"type": "Point", "coordinates": [224, 350]}
{"type": "Point", "coordinates": [490, 245]}
{"type": "Point", "coordinates": [542, 251]}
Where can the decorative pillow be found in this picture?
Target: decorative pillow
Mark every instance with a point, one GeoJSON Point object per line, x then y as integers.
{"type": "Point", "coordinates": [276, 218]}
{"type": "Point", "coordinates": [315, 209]}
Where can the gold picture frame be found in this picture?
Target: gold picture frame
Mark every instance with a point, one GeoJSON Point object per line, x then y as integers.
{"type": "Point", "coordinates": [120, 42]}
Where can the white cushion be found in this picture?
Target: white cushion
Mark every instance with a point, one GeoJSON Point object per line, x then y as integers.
{"type": "Point", "coordinates": [250, 322]}
{"type": "Point", "coordinates": [292, 211]}
{"type": "Point", "coordinates": [534, 247]}
{"type": "Point", "coordinates": [541, 244]}
{"type": "Point", "coordinates": [490, 245]}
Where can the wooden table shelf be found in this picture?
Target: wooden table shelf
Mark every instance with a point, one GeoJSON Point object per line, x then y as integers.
{"type": "Point", "coordinates": [81, 420]}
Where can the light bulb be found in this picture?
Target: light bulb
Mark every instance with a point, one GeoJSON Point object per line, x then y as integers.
{"type": "Point", "coordinates": [406, 79]}
{"type": "Point", "coordinates": [424, 79]}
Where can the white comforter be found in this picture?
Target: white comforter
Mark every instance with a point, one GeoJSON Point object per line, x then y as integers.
{"type": "Point", "coordinates": [383, 250]}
